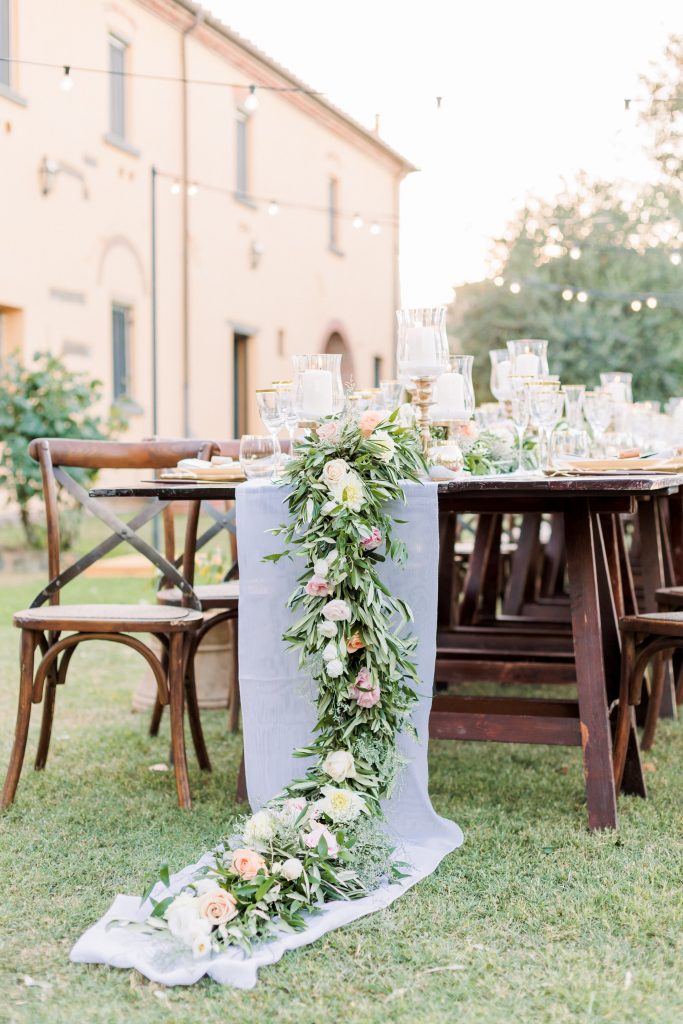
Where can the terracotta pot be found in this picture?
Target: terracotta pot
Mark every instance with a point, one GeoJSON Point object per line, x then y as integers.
{"type": "Point", "coordinates": [213, 670]}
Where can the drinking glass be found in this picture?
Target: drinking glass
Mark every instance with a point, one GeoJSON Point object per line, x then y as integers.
{"type": "Point", "coordinates": [422, 349]}
{"type": "Point", "coordinates": [259, 456]}
{"type": "Point", "coordinates": [500, 374]}
{"type": "Point", "coordinates": [391, 389]}
{"type": "Point", "coordinates": [545, 407]}
{"type": "Point", "coordinates": [285, 392]}
{"type": "Point", "coordinates": [318, 389]}
{"type": "Point", "coordinates": [519, 400]}
{"type": "Point", "coordinates": [270, 410]}
{"type": "Point", "coordinates": [454, 392]}
{"type": "Point", "coordinates": [598, 409]}
{"type": "Point", "coordinates": [570, 440]}
{"type": "Point", "coordinates": [528, 357]}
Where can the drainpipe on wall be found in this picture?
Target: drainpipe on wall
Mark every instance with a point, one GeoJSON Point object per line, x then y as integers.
{"type": "Point", "coordinates": [185, 228]}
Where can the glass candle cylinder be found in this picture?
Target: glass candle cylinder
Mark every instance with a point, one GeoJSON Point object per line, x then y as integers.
{"type": "Point", "coordinates": [318, 390]}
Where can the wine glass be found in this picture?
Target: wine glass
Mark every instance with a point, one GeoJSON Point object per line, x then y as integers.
{"type": "Point", "coordinates": [285, 392]}
{"type": "Point", "coordinates": [259, 456]}
{"type": "Point", "coordinates": [520, 413]}
{"type": "Point", "coordinates": [391, 389]}
{"type": "Point", "coordinates": [598, 410]}
{"type": "Point", "coordinates": [500, 374]}
{"type": "Point", "coordinates": [545, 406]}
{"type": "Point", "coordinates": [271, 412]}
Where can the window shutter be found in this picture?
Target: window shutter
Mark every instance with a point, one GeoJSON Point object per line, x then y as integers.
{"type": "Point", "coordinates": [120, 350]}
{"type": "Point", "coordinates": [117, 88]}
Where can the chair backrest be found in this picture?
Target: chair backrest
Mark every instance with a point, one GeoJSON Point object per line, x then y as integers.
{"type": "Point", "coordinates": [53, 454]}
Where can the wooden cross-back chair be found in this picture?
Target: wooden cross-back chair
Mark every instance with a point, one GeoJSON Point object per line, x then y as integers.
{"type": "Point", "coordinates": [43, 624]}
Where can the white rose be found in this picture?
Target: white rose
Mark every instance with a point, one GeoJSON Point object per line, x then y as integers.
{"type": "Point", "coordinates": [327, 629]}
{"type": "Point", "coordinates": [337, 611]}
{"type": "Point", "coordinates": [205, 885]}
{"type": "Point", "coordinates": [183, 915]}
{"type": "Point", "coordinates": [292, 869]}
{"type": "Point", "coordinates": [291, 809]}
{"type": "Point", "coordinates": [339, 765]}
{"type": "Point", "coordinates": [334, 668]}
{"type": "Point", "coordinates": [340, 804]}
{"type": "Point", "coordinates": [334, 471]}
{"type": "Point", "coordinates": [330, 651]}
{"type": "Point", "coordinates": [321, 568]}
{"type": "Point", "coordinates": [258, 829]}
{"type": "Point", "coordinates": [386, 443]}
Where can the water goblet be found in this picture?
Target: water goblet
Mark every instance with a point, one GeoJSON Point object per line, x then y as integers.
{"type": "Point", "coordinates": [391, 389]}
{"type": "Point", "coordinates": [519, 414]}
{"type": "Point", "coordinates": [259, 456]}
{"type": "Point", "coordinates": [598, 408]}
{"type": "Point", "coordinates": [285, 392]}
{"type": "Point", "coordinates": [271, 411]}
{"type": "Point", "coordinates": [545, 407]}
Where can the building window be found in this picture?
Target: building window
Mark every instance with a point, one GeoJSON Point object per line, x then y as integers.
{"type": "Point", "coordinates": [117, 87]}
{"type": "Point", "coordinates": [242, 155]}
{"type": "Point", "coordinates": [240, 383]}
{"type": "Point", "coordinates": [377, 370]}
{"type": "Point", "coordinates": [120, 337]}
{"type": "Point", "coordinates": [5, 42]}
{"type": "Point", "coordinates": [333, 214]}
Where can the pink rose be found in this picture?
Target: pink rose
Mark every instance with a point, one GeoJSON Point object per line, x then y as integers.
{"type": "Point", "coordinates": [337, 611]}
{"type": "Point", "coordinates": [318, 586]}
{"type": "Point", "coordinates": [218, 906]}
{"type": "Point", "coordinates": [247, 863]}
{"type": "Point", "coordinates": [327, 431]}
{"type": "Point", "coordinates": [365, 693]}
{"type": "Point", "coordinates": [314, 837]}
{"type": "Point", "coordinates": [373, 541]}
{"type": "Point", "coordinates": [368, 421]}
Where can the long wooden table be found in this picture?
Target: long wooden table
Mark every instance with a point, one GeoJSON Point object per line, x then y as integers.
{"type": "Point", "coordinates": [588, 655]}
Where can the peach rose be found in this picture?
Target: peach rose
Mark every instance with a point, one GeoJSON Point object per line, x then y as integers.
{"type": "Point", "coordinates": [354, 643]}
{"type": "Point", "coordinates": [369, 420]}
{"type": "Point", "coordinates": [247, 863]}
{"type": "Point", "coordinates": [327, 431]}
{"type": "Point", "coordinates": [218, 906]}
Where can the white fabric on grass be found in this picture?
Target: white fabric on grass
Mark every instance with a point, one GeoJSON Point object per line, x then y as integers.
{"type": "Point", "coordinates": [278, 716]}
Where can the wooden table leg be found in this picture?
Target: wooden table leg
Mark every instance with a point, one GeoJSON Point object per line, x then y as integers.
{"type": "Point", "coordinates": [596, 739]}
{"type": "Point", "coordinates": [654, 575]}
{"type": "Point", "coordinates": [445, 613]}
{"type": "Point", "coordinates": [521, 586]}
{"type": "Point", "coordinates": [477, 568]}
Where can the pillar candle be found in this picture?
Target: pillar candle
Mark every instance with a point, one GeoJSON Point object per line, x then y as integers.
{"type": "Point", "coordinates": [450, 392]}
{"type": "Point", "coordinates": [527, 365]}
{"type": "Point", "coordinates": [317, 393]}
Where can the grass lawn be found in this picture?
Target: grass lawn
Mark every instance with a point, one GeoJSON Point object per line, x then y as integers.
{"type": "Point", "coordinates": [532, 920]}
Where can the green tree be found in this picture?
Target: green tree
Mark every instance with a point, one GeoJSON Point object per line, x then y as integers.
{"type": "Point", "coordinates": [609, 250]}
{"type": "Point", "coordinates": [45, 399]}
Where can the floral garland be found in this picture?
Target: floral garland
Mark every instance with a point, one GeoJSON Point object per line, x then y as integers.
{"type": "Point", "coordinates": [322, 838]}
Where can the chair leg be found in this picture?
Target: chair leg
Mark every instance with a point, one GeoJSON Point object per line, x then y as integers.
{"type": "Point", "coordinates": [155, 720]}
{"type": "Point", "coordinates": [241, 791]}
{"type": "Point", "coordinates": [623, 726]}
{"type": "Point", "coordinates": [234, 708]}
{"type": "Point", "coordinates": [193, 713]}
{"type": "Point", "coordinates": [176, 687]}
{"type": "Point", "coordinates": [28, 646]}
{"type": "Point", "coordinates": [655, 702]}
{"type": "Point", "coordinates": [46, 723]}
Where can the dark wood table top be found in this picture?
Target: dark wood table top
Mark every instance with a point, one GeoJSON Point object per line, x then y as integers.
{"type": "Point", "coordinates": [510, 485]}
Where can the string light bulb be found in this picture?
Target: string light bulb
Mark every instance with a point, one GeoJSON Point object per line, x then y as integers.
{"type": "Point", "coordinates": [192, 189]}
{"type": "Point", "coordinates": [675, 258]}
{"type": "Point", "coordinates": [636, 305]}
{"type": "Point", "coordinates": [651, 302]}
{"type": "Point", "coordinates": [357, 221]}
{"type": "Point", "coordinates": [375, 229]}
{"type": "Point", "coordinates": [499, 281]}
{"type": "Point", "coordinates": [515, 287]}
{"type": "Point", "coordinates": [251, 102]}
{"type": "Point", "coordinates": [273, 208]}
{"type": "Point", "coordinates": [575, 253]}
{"type": "Point", "coordinates": [567, 295]}
{"type": "Point", "coordinates": [175, 188]}
{"type": "Point", "coordinates": [582, 296]}
{"type": "Point", "coordinates": [67, 82]}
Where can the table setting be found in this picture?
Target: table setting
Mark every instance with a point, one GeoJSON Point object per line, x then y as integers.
{"type": "Point", "coordinates": [336, 682]}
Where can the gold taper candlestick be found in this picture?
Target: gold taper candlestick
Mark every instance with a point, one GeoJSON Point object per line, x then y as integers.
{"type": "Point", "coordinates": [422, 398]}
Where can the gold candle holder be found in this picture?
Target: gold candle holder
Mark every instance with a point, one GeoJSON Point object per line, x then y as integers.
{"type": "Point", "coordinates": [422, 399]}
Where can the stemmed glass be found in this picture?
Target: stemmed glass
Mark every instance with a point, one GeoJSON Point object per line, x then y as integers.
{"type": "Point", "coordinates": [545, 406]}
{"type": "Point", "coordinates": [520, 413]}
{"type": "Point", "coordinates": [391, 389]}
{"type": "Point", "coordinates": [598, 410]}
{"type": "Point", "coordinates": [285, 393]}
{"type": "Point", "coordinates": [259, 456]}
{"type": "Point", "coordinates": [272, 414]}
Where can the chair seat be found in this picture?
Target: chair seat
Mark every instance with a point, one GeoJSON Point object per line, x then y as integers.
{"type": "Point", "coordinates": [672, 597]}
{"type": "Point", "coordinates": [109, 618]}
{"type": "Point", "coordinates": [654, 623]}
{"type": "Point", "coordinates": [211, 595]}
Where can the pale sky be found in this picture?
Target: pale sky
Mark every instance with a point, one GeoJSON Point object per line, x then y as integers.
{"type": "Point", "coordinates": [532, 92]}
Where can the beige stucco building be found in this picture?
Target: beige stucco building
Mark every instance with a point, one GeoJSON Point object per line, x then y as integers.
{"type": "Point", "coordinates": [240, 283]}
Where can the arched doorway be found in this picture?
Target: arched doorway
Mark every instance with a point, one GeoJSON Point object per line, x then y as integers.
{"type": "Point", "coordinates": [337, 345]}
